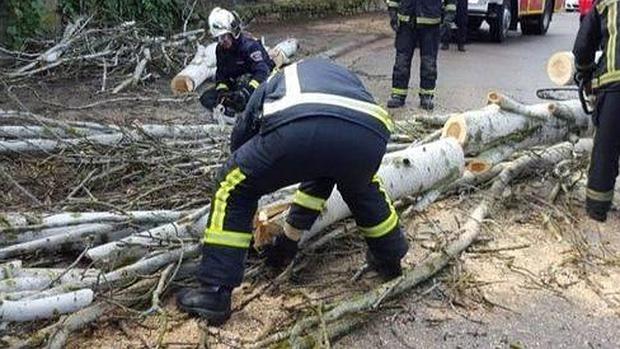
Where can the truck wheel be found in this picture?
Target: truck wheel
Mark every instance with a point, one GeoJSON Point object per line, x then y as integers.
{"type": "Point", "coordinates": [538, 25]}
{"type": "Point", "coordinates": [500, 24]}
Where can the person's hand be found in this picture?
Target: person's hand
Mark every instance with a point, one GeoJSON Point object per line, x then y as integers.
{"type": "Point", "coordinates": [394, 20]}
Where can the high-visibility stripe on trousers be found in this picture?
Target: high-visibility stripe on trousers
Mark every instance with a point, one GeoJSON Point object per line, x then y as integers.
{"type": "Point", "coordinates": [605, 153]}
{"type": "Point", "coordinates": [319, 152]}
{"type": "Point", "coordinates": [426, 38]}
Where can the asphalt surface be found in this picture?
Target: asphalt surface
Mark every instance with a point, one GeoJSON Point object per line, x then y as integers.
{"type": "Point", "coordinates": [515, 67]}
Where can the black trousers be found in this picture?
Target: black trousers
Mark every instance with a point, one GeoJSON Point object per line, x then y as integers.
{"type": "Point", "coordinates": [604, 161]}
{"type": "Point", "coordinates": [459, 17]}
{"type": "Point", "coordinates": [320, 152]}
{"type": "Point", "coordinates": [408, 37]}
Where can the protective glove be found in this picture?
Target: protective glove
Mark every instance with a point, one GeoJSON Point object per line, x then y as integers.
{"type": "Point", "coordinates": [393, 19]}
{"type": "Point", "coordinates": [235, 100]}
{"type": "Point", "coordinates": [584, 77]}
{"type": "Point", "coordinates": [281, 252]}
{"type": "Point", "coordinates": [284, 248]}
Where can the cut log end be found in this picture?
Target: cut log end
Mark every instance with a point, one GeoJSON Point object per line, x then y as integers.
{"type": "Point", "coordinates": [181, 84]}
{"type": "Point", "coordinates": [494, 98]}
{"type": "Point", "coordinates": [560, 68]}
{"type": "Point", "coordinates": [478, 166]}
{"type": "Point", "coordinates": [268, 223]}
{"type": "Point", "coordinates": [456, 128]}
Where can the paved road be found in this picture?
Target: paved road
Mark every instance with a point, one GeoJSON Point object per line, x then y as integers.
{"type": "Point", "coordinates": [515, 67]}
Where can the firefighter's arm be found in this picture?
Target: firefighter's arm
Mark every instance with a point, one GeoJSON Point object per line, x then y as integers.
{"type": "Point", "coordinates": [392, 6]}
{"type": "Point", "coordinates": [587, 42]}
{"type": "Point", "coordinates": [247, 123]}
{"type": "Point", "coordinates": [260, 68]}
{"type": "Point", "coordinates": [221, 77]}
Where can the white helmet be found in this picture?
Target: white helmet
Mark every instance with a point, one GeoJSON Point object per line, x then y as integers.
{"type": "Point", "coordinates": [222, 22]}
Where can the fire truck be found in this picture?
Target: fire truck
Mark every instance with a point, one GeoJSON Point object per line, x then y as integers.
{"type": "Point", "coordinates": [534, 16]}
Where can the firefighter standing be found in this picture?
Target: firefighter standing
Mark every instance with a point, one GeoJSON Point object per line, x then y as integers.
{"type": "Point", "coordinates": [242, 63]}
{"type": "Point", "coordinates": [599, 28]}
{"type": "Point", "coordinates": [416, 23]}
{"type": "Point", "coordinates": [454, 11]}
{"type": "Point", "coordinates": [314, 123]}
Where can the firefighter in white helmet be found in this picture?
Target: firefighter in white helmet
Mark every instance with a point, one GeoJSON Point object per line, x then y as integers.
{"type": "Point", "coordinates": [242, 63]}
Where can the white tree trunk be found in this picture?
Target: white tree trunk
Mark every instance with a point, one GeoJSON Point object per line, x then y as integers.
{"type": "Point", "coordinates": [201, 68]}
{"type": "Point", "coordinates": [561, 67]}
{"type": "Point", "coordinates": [491, 126]}
{"type": "Point", "coordinates": [53, 242]}
{"type": "Point", "coordinates": [45, 308]}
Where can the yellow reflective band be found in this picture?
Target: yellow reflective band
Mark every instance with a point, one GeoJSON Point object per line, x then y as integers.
{"type": "Point", "coordinates": [399, 91]}
{"type": "Point", "coordinates": [427, 92]}
{"type": "Point", "coordinates": [382, 228]}
{"type": "Point", "coordinates": [606, 79]}
{"type": "Point", "coordinates": [600, 5]}
{"type": "Point", "coordinates": [227, 238]}
{"type": "Point", "coordinates": [308, 201]}
{"type": "Point", "coordinates": [427, 20]}
{"type": "Point", "coordinates": [389, 223]}
{"type": "Point", "coordinates": [294, 97]}
{"type": "Point", "coordinates": [613, 37]}
{"type": "Point", "coordinates": [403, 18]}
{"type": "Point", "coordinates": [600, 196]}
{"type": "Point", "coordinates": [221, 86]}
{"type": "Point", "coordinates": [254, 84]}
{"type": "Point", "coordinates": [451, 7]}
{"type": "Point", "coordinates": [391, 3]}
{"type": "Point", "coordinates": [221, 199]}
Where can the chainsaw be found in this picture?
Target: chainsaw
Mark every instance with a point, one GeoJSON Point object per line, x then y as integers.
{"type": "Point", "coordinates": [567, 93]}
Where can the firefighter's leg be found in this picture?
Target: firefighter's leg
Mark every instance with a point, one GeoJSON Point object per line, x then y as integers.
{"type": "Point", "coordinates": [604, 161]}
{"type": "Point", "coordinates": [428, 38]}
{"type": "Point", "coordinates": [308, 202]}
{"type": "Point", "coordinates": [378, 222]}
{"type": "Point", "coordinates": [405, 46]}
{"type": "Point", "coordinates": [461, 24]}
{"type": "Point", "coordinates": [446, 28]}
{"type": "Point", "coordinates": [251, 171]}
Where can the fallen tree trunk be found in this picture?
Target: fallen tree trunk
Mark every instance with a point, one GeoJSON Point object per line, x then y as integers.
{"type": "Point", "coordinates": [45, 308]}
{"type": "Point", "coordinates": [19, 222]}
{"type": "Point", "coordinates": [561, 67]}
{"type": "Point", "coordinates": [492, 126]}
{"type": "Point", "coordinates": [33, 146]}
{"type": "Point", "coordinates": [204, 65]}
{"type": "Point", "coordinates": [430, 265]}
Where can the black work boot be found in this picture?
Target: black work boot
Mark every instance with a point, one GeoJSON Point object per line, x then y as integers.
{"type": "Point", "coordinates": [396, 101]}
{"type": "Point", "coordinates": [426, 102]}
{"type": "Point", "coordinates": [210, 302]}
{"type": "Point", "coordinates": [445, 46]}
{"type": "Point", "coordinates": [462, 48]}
{"type": "Point", "coordinates": [388, 270]}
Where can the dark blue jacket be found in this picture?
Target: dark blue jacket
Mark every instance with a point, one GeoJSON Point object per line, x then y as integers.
{"type": "Point", "coordinates": [246, 56]}
{"type": "Point", "coordinates": [309, 88]}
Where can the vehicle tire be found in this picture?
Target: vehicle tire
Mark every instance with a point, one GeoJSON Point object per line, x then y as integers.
{"type": "Point", "coordinates": [501, 23]}
{"type": "Point", "coordinates": [538, 25]}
